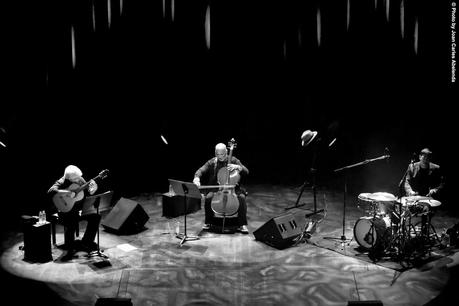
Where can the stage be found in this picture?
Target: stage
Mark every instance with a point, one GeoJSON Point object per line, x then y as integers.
{"type": "Point", "coordinates": [151, 268]}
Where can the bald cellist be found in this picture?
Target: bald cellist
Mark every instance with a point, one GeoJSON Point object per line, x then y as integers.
{"type": "Point", "coordinates": [223, 170]}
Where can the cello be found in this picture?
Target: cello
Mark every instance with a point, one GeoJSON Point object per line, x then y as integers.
{"type": "Point", "coordinates": [225, 202]}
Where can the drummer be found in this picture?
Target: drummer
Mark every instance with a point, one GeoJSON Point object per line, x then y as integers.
{"type": "Point", "coordinates": [424, 178]}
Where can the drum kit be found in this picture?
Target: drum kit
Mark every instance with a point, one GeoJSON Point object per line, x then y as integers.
{"type": "Point", "coordinates": [396, 227]}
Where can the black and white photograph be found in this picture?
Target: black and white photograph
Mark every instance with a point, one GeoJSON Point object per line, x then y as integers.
{"type": "Point", "coordinates": [205, 152]}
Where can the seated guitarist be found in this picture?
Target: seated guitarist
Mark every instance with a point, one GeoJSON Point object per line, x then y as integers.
{"type": "Point", "coordinates": [73, 178]}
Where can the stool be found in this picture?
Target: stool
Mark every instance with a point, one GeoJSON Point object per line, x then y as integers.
{"type": "Point", "coordinates": [54, 219]}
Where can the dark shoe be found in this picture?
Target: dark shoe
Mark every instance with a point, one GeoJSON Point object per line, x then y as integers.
{"type": "Point", "coordinates": [89, 246]}
{"type": "Point", "coordinates": [206, 227]}
{"type": "Point", "coordinates": [77, 245]}
{"type": "Point", "coordinates": [243, 229]}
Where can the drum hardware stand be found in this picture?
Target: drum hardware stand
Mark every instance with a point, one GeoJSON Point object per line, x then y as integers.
{"type": "Point", "coordinates": [402, 234]}
{"type": "Point", "coordinates": [427, 231]}
{"type": "Point", "coordinates": [395, 242]}
{"type": "Point", "coordinates": [313, 171]}
{"type": "Point", "coordinates": [373, 253]}
{"type": "Point", "coordinates": [343, 236]}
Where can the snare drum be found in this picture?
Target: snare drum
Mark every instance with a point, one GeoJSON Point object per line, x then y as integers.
{"type": "Point", "coordinates": [417, 205]}
{"type": "Point", "coordinates": [369, 232]}
{"type": "Point", "coordinates": [385, 202]}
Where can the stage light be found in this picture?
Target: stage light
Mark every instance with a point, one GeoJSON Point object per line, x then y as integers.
{"type": "Point", "coordinates": [164, 139]}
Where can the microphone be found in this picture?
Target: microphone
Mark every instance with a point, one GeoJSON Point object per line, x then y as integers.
{"type": "Point", "coordinates": [332, 142]}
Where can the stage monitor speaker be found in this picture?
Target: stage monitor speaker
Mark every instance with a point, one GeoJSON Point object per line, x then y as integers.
{"type": "Point", "coordinates": [126, 217]}
{"type": "Point", "coordinates": [280, 232]}
{"type": "Point", "coordinates": [113, 302]}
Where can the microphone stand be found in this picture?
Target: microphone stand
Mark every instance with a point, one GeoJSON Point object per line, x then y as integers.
{"type": "Point", "coordinates": [343, 236]}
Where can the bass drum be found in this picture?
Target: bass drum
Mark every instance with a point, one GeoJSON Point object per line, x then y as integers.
{"type": "Point", "coordinates": [369, 232]}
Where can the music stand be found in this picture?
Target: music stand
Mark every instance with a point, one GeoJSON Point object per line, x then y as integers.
{"type": "Point", "coordinates": [95, 201]}
{"type": "Point", "coordinates": [185, 189]}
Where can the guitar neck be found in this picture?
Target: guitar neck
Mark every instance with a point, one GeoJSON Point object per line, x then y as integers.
{"type": "Point", "coordinates": [230, 156]}
{"type": "Point", "coordinates": [82, 187]}
{"type": "Point", "coordinates": [86, 185]}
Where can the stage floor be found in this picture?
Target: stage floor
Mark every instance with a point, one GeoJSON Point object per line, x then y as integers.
{"type": "Point", "coordinates": [152, 268]}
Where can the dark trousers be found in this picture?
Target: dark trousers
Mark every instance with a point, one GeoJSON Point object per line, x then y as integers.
{"type": "Point", "coordinates": [70, 221]}
{"type": "Point", "coordinates": [241, 212]}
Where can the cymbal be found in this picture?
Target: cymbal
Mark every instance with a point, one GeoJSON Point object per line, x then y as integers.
{"type": "Point", "coordinates": [382, 197]}
{"type": "Point", "coordinates": [411, 200]}
{"type": "Point", "coordinates": [364, 196]}
{"type": "Point", "coordinates": [416, 198]}
{"type": "Point", "coordinates": [431, 202]}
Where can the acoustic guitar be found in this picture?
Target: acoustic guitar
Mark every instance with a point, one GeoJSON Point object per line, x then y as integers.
{"type": "Point", "coordinates": [63, 201]}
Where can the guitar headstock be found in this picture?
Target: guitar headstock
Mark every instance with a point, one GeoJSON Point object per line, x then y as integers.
{"type": "Point", "coordinates": [232, 144]}
{"type": "Point", "coordinates": [103, 174]}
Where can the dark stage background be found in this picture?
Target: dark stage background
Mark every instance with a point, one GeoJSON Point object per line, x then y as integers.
{"type": "Point", "coordinates": [145, 70]}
